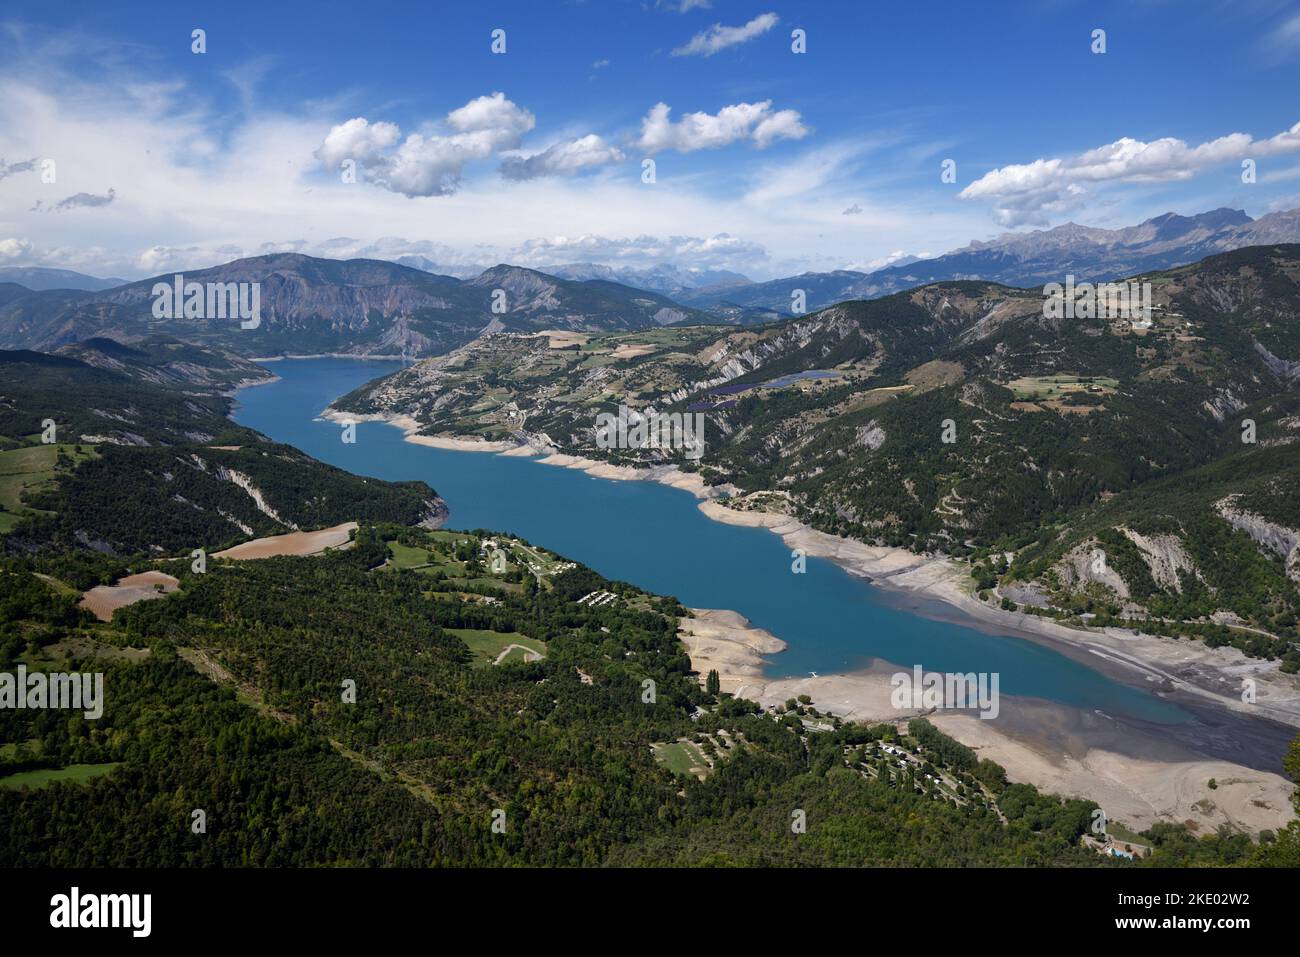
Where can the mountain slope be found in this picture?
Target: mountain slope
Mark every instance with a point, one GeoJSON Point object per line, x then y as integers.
{"type": "Point", "coordinates": [40, 278]}
{"type": "Point", "coordinates": [134, 467]}
{"type": "Point", "coordinates": [1029, 259]}
{"type": "Point", "coordinates": [361, 307]}
{"type": "Point", "coordinates": [959, 417]}
{"type": "Point", "coordinates": [170, 363]}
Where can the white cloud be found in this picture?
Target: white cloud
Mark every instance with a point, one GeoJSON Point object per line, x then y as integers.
{"type": "Point", "coordinates": [358, 140]}
{"type": "Point", "coordinates": [428, 165]}
{"type": "Point", "coordinates": [493, 115]}
{"type": "Point", "coordinates": [1282, 42]}
{"type": "Point", "coordinates": [718, 251]}
{"type": "Point", "coordinates": [704, 131]}
{"type": "Point", "coordinates": [1030, 193]}
{"type": "Point", "coordinates": [198, 184]}
{"type": "Point", "coordinates": [717, 37]}
{"type": "Point", "coordinates": [562, 159]}
{"type": "Point", "coordinates": [14, 248]}
{"type": "Point", "coordinates": [871, 265]}
{"type": "Point", "coordinates": [807, 172]}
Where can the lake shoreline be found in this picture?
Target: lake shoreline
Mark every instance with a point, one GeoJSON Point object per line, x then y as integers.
{"type": "Point", "coordinates": [1183, 669]}
{"type": "Point", "coordinates": [1140, 771]}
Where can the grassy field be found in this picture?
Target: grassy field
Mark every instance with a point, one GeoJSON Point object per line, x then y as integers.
{"type": "Point", "coordinates": [404, 556]}
{"type": "Point", "coordinates": [77, 773]}
{"type": "Point", "coordinates": [1050, 386]}
{"type": "Point", "coordinates": [27, 468]}
{"type": "Point", "coordinates": [486, 645]}
{"type": "Point", "coordinates": [681, 757]}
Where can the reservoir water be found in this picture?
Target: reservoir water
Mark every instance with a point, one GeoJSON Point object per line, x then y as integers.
{"type": "Point", "coordinates": [656, 538]}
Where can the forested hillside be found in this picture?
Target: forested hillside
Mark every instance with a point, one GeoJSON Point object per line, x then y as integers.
{"type": "Point", "coordinates": [230, 696]}
{"type": "Point", "coordinates": [421, 697]}
{"type": "Point", "coordinates": [968, 419]}
{"type": "Point", "coordinates": [106, 460]}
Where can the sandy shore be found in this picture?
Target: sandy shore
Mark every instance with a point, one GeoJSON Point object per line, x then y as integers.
{"type": "Point", "coordinates": [721, 640]}
{"type": "Point", "coordinates": [670, 475]}
{"type": "Point", "coordinates": [1214, 674]}
{"type": "Point", "coordinates": [292, 543]}
{"type": "Point", "coordinates": [103, 600]}
{"type": "Point", "coordinates": [1138, 777]}
{"type": "Point", "coordinates": [1138, 773]}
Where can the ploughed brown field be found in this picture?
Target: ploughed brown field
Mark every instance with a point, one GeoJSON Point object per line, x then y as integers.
{"type": "Point", "coordinates": [292, 543]}
{"type": "Point", "coordinates": [103, 600]}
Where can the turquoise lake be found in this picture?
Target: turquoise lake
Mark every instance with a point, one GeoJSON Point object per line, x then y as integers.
{"type": "Point", "coordinates": [655, 537]}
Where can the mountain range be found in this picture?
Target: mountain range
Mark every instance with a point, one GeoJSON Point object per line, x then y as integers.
{"type": "Point", "coordinates": [376, 307]}
{"type": "Point", "coordinates": [1024, 259]}
{"type": "Point", "coordinates": [41, 278]}
{"type": "Point", "coordinates": [358, 306]}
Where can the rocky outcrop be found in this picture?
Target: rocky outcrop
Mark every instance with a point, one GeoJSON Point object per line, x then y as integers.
{"type": "Point", "coordinates": [1165, 557]}
{"type": "Point", "coordinates": [1277, 538]}
{"type": "Point", "coordinates": [870, 436]}
{"type": "Point", "coordinates": [436, 513]}
{"type": "Point", "coordinates": [246, 483]}
{"type": "Point", "coordinates": [1087, 563]}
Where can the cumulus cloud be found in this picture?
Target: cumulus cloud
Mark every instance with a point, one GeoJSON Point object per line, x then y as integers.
{"type": "Point", "coordinates": [1029, 193]}
{"type": "Point", "coordinates": [755, 122]}
{"type": "Point", "coordinates": [428, 165]}
{"type": "Point", "coordinates": [562, 159]}
{"type": "Point", "coordinates": [717, 37]}
{"type": "Point", "coordinates": [160, 259]}
{"type": "Point", "coordinates": [14, 248]}
{"type": "Point", "coordinates": [358, 140]}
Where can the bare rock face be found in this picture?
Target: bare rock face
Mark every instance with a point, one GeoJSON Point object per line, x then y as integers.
{"type": "Point", "coordinates": [870, 436]}
{"type": "Point", "coordinates": [1165, 556]}
{"type": "Point", "coordinates": [1081, 565]}
{"type": "Point", "coordinates": [1278, 538]}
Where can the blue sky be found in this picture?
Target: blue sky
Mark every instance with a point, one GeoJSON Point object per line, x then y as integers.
{"type": "Point", "coordinates": [766, 161]}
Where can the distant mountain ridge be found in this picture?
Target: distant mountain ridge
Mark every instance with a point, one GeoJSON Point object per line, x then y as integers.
{"type": "Point", "coordinates": [312, 305]}
{"type": "Point", "coordinates": [664, 278]}
{"type": "Point", "coordinates": [41, 278]}
{"type": "Point", "coordinates": [358, 306]}
{"type": "Point", "coordinates": [1027, 259]}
